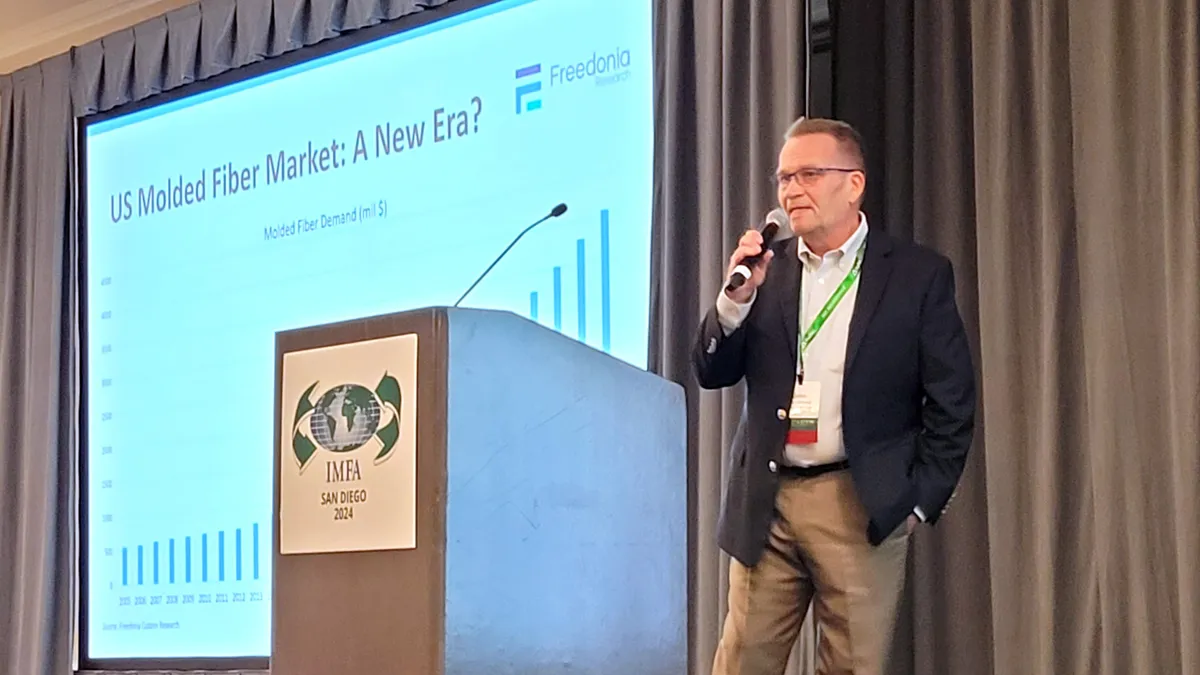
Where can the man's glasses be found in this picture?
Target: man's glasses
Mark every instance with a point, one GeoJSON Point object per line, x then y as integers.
{"type": "Point", "coordinates": [807, 176]}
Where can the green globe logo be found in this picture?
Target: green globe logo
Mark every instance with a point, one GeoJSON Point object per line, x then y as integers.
{"type": "Point", "coordinates": [347, 418]}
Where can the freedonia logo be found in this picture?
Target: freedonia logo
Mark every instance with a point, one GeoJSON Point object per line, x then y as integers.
{"type": "Point", "coordinates": [603, 68]}
{"type": "Point", "coordinates": [529, 88]}
{"type": "Point", "coordinates": [344, 419]}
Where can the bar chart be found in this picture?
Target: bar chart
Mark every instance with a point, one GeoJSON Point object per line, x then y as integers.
{"type": "Point", "coordinates": [181, 583]}
{"type": "Point", "coordinates": [582, 283]}
{"type": "Point", "coordinates": [235, 555]}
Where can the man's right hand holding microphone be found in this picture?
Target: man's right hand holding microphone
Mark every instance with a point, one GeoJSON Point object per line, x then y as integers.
{"type": "Point", "coordinates": [752, 259]}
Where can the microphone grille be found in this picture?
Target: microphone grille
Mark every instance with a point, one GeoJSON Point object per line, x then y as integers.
{"type": "Point", "coordinates": [777, 222]}
{"type": "Point", "coordinates": [780, 218]}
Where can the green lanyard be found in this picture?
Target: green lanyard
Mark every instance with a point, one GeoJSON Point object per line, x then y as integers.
{"type": "Point", "coordinates": [830, 305]}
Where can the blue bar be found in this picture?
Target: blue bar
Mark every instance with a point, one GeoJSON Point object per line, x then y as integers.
{"type": "Point", "coordinates": [605, 309]}
{"type": "Point", "coordinates": [187, 560]}
{"type": "Point", "coordinates": [171, 561]}
{"type": "Point", "coordinates": [156, 563]}
{"type": "Point", "coordinates": [139, 565]}
{"type": "Point", "coordinates": [204, 557]}
{"type": "Point", "coordinates": [237, 550]}
{"type": "Point", "coordinates": [256, 550]}
{"type": "Point", "coordinates": [582, 283]}
{"type": "Point", "coordinates": [558, 298]}
{"type": "Point", "coordinates": [533, 305]}
{"type": "Point", "coordinates": [124, 567]}
{"type": "Point", "coordinates": [221, 555]}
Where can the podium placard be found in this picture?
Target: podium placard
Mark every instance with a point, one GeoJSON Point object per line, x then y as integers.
{"type": "Point", "coordinates": [348, 464]}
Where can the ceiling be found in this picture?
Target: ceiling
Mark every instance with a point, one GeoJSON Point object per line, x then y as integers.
{"type": "Point", "coordinates": [32, 30]}
{"type": "Point", "coordinates": [17, 13]}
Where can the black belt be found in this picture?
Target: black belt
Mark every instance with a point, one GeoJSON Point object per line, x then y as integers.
{"type": "Point", "coordinates": [811, 471]}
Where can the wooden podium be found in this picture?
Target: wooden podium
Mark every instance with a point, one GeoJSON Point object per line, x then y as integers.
{"type": "Point", "coordinates": [465, 492]}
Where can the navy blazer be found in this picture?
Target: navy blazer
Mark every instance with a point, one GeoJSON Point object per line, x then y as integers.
{"type": "Point", "coordinates": [908, 396]}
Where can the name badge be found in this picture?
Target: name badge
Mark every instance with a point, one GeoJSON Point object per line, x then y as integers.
{"type": "Point", "coordinates": [806, 408]}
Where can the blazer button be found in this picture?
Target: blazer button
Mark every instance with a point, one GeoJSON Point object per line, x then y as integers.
{"type": "Point", "coordinates": [781, 414]}
{"type": "Point", "coordinates": [772, 466]}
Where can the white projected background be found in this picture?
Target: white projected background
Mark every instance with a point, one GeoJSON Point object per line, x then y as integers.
{"type": "Point", "coordinates": [376, 180]}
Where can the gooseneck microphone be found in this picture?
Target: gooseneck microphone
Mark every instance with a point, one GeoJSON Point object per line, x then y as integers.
{"type": "Point", "coordinates": [741, 274]}
{"type": "Point", "coordinates": [554, 213]}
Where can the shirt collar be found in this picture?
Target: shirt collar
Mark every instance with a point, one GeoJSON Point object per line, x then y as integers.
{"type": "Point", "coordinates": [841, 253]}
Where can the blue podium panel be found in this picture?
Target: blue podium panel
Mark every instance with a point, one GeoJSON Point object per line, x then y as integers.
{"type": "Point", "coordinates": [566, 522]}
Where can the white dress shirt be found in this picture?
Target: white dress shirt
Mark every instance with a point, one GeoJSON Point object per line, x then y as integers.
{"type": "Point", "coordinates": [825, 358]}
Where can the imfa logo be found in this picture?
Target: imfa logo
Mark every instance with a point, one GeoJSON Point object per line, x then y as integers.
{"type": "Point", "coordinates": [344, 419]}
{"type": "Point", "coordinates": [525, 90]}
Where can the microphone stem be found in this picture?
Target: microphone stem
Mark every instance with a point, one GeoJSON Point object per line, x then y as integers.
{"type": "Point", "coordinates": [498, 258]}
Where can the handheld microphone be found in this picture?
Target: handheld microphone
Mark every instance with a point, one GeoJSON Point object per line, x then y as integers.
{"type": "Point", "coordinates": [554, 213]}
{"type": "Point", "coordinates": [741, 274]}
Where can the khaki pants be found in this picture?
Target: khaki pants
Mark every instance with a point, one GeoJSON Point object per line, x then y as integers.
{"type": "Point", "coordinates": [817, 552]}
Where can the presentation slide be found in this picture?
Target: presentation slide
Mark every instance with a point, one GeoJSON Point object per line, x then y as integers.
{"type": "Point", "coordinates": [379, 179]}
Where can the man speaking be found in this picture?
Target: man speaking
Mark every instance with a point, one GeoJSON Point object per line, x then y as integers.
{"type": "Point", "coordinates": [860, 406]}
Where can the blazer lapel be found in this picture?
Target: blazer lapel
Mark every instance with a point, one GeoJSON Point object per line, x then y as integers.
{"type": "Point", "coordinates": [876, 267]}
{"type": "Point", "coordinates": [789, 295]}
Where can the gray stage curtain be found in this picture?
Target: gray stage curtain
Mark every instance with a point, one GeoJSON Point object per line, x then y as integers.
{"type": "Point", "coordinates": [38, 207]}
{"type": "Point", "coordinates": [1052, 152]}
{"type": "Point", "coordinates": [907, 85]}
{"type": "Point", "coordinates": [210, 37]}
{"type": "Point", "coordinates": [730, 78]}
{"type": "Point", "coordinates": [1087, 180]}
{"type": "Point", "coordinates": [36, 492]}
{"type": "Point", "coordinates": [1050, 148]}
